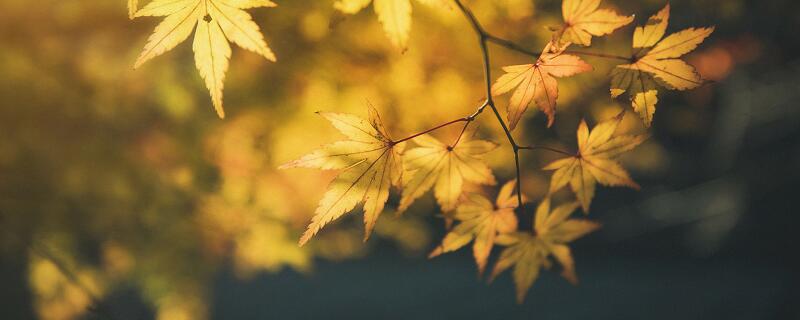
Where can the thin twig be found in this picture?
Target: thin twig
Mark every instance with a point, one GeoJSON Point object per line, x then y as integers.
{"type": "Point", "coordinates": [546, 148]}
{"type": "Point", "coordinates": [515, 47]}
{"type": "Point", "coordinates": [467, 119]}
{"type": "Point", "coordinates": [483, 39]}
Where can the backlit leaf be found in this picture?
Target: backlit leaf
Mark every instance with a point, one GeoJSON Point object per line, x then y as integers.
{"type": "Point", "coordinates": [394, 15]}
{"type": "Point", "coordinates": [656, 61]}
{"type": "Point", "coordinates": [445, 168]}
{"type": "Point", "coordinates": [216, 22]}
{"type": "Point", "coordinates": [582, 20]}
{"type": "Point", "coordinates": [481, 221]}
{"type": "Point", "coordinates": [528, 253]}
{"type": "Point", "coordinates": [370, 162]}
{"type": "Point", "coordinates": [537, 82]}
{"type": "Point", "coordinates": [133, 6]}
{"type": "Point", "coordinates": [594, 162]}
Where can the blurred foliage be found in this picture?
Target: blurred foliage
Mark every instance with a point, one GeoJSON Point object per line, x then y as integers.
{"type": "Point", "coordinates": [111, 177]}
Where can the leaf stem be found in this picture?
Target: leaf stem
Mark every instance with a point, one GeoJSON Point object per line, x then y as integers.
{"type": "Point", "coordinates": [483, 39]}
{"type": "Point", "coordinates": [467, 119]}
{"type": "Point", "coordinates": [515, 47]}
{"type": "Point", "coordinates": [546, 148]}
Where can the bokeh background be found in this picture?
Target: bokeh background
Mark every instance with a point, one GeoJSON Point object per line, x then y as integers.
{"type": "Point", "coordinates": [123, 196]}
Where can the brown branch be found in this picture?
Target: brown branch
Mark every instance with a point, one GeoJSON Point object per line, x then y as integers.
{"type": "Point", "coordinates": [467, 119]}
{"type": "Point", "coordinates": [515, 47]}
{"type": "Point", "coordinates": [483, 39]}
{"type": "Point", "coordinates": [548, 149]}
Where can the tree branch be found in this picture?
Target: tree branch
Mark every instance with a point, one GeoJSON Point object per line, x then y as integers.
{"type": "Point", "coordinates": [483, 39]}
{"type": "Point", "coordinates": [515, 47]}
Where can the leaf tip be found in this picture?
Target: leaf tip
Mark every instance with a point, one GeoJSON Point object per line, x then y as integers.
{"type": "Point", "coordinates": [435, 253]}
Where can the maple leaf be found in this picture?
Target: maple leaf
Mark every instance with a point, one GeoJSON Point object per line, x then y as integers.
{"type": "Point", "coordinates": [394, 15]}
{"type": "Point", "coordinates": [582, 20]}
{"type": "Point", "coordinates": [445, 167]}
{"type": "Point", "coordinates": [481, 221]}
{"type": "Point", "coordinates": [529, 253]}
{"type": "Point", "coordinates": [594, 162]}
{"type": "Point", "coordinates": [215, 22]}
{"type": "Point", "coordinates": [537, 82]}
{"type": "Point", "coordinates": [656, 62]}
{"type": "Point", "coordinates": [371, 163]}
{"type": "Point", "coordinates": [133, 6]}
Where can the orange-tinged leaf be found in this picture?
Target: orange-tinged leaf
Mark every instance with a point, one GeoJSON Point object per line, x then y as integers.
{"type": "Point", "coordinates": [656, 62]}
{"type": "Point", "coordinates": [482, 222]}
{"type": "Point", "coordinates": [537, 82]}
{"type": "Point", "coordinates": [582, 20]}
{"type": "Point", "coordinates": [371, 164]}
{"type": "Point", "coordinates": [594, 162]}
{"type": "Point", "coordinates": [216, 22]}
{"type": "Point", "coordinates": [445, 168]}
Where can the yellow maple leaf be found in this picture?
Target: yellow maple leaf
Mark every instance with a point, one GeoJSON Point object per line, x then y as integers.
{"type": "Point", "coordinates": [133, 6]}
{"type": "Point", "coordinates": [215, 22]}
{"type": "Point", "coordinates": [529, 253]}
{"type": "Point", "coordinates": [537, 82]}
{"type": "Point", "coordinates": [481, 221]}
{"type": "Point", "coordinates": [594, 162]}
{"type": "Point", "coordinates": [394, 15]}
{"type": "Point", "coordinates": [370, 162]}
{"type": "Point", "coordinates": [655, 61]}
{"type": "Point", "coordinates": [445, 168]}
{"type": "Point", "coordinates": [582, 20]}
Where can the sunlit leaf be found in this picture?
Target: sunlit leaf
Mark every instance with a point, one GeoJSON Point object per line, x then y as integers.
{"type": "Point", "coordinates": [445, 168]}
{"type": "Point", "coordinates": [582, 20]}
{"type": "Point", "coordinates": [133, 6]}
{"type": "Point", "coordinates": [394, 15]}
{"type": "Point", "coordinates": [529, 253]}
{"type": "Point", "coordinates": [537, 82]}
{"type": "Point", "coordinates": [656, 61]}
{"type": "Point", "coordinates": [481, 221]}
{"type": "Point", "coordinates": [594, 162]}
{"type": "Point", "coordinates": [370, 162]}
{"type": "Point", "coordinates": [217, 22]}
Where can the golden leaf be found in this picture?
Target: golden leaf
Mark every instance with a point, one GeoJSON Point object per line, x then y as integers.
{"type": "Point", "coordinates": [444, 167]}
{"type": "Point", "coordinates": [133, 6]}
{"type": "Point", "coordinates": [528, 253]}
{"type": "Point", "coordinates": [582, 20]}
{"type": "Point", "coordinates": [656, 61]}
{"type": "Point", "coordinates": [594, 162]}
{"type": "Point", "coordinates": [537, 82]}
{"type": "Point", "coordinates": [481, 221]}
{"type": "Point", "coordinates": [370, 162]}
{"type": "Point", "coordinates": [394, 15]}
{"type": "Point", "coordinates": [217, 22]}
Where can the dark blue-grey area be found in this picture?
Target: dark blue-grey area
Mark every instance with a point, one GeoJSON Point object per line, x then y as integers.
{"type": "Point", "coordinates": [391, 287]}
